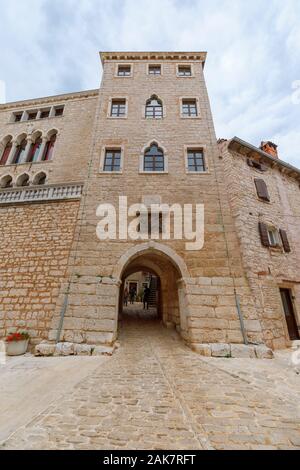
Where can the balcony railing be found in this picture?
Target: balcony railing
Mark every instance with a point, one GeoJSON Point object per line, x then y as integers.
{"type": "Point", "coordinates": [41, 193]}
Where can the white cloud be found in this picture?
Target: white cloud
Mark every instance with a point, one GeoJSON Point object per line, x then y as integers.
{"type": "Point", "coordinates": [51, 46]}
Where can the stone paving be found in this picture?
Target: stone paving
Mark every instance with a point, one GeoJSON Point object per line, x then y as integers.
{"type": "Point", "coordinates": [155, 393]}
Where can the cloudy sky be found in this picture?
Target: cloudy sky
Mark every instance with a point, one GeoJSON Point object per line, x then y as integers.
{"type": "Point", "coordinates": [253, 67]}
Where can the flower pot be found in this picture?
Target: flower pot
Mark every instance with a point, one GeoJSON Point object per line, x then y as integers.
{"type": "Point", "coordinates": [16, 348]}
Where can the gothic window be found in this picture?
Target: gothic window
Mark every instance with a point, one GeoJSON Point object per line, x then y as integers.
{"type": "Point", "coordinates": [6, 152]}
{"type": "Point", "coordinates": [6, 182]}
{"type": "Point", "coordinates": [154, 108]}
{"type": "Point", "coordinates": [35, 150]}
{"type": "Point", "coordinates": [49, 148]}
{"type": "Point", "coordinates": [23, 180]}
{"type": "Point", "coordinates": [154, 159]}
{"type": "Point", "coordinates": [20, 150]}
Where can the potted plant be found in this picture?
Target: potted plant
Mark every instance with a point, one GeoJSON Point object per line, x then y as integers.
{"type": "Point", "coordinates": [17, 343]}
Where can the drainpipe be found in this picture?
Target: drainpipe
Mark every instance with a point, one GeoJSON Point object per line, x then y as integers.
{"type": "Point", "coordinates": [241, 318]}
{"type": "Point", "coordinates": [62, 314]}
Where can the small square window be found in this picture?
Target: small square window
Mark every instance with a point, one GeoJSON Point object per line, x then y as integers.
{"type": "Point", "coordinates": [189, 108]}
{"type": "Point", "coordinates": [118, 108]}
{"type": "Point", "coordinates": [58, 111]}
{"type": "Point", "coordinates": [18, 117]}
{"type": "Point", "coordinates": [112, 160]}
{"type": "Point", "coordinates": [195, 160]}
{"type": "Point", "coordinates": [184, 71]}
{"type": "Point", "coordinates": [124, 71]}
{"type": "Point", "coordinates": [154, 70]}
{"type": "Point", "coordinates": [31, 115]}
{"type": "Point", "coordinates": [45, 113]}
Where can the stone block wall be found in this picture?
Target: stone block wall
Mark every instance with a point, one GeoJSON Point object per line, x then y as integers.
{"type": "Point", "coordinates": [35, 245]}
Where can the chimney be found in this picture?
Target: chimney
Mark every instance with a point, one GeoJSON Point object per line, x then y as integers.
{"type": "Point", "coordinates": [269, 148]}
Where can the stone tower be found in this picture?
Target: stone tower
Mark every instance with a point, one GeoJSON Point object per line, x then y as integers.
{"type": "Point", "coordinates": [155, 104]}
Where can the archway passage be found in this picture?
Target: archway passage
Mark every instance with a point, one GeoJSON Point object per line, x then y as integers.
{"type": "Point", "coordinates": [157, 265]}
{"type": "Point", "coordinates": [141, 296]}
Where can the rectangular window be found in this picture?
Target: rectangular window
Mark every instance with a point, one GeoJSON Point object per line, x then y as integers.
{"type": "Point", "coordinates": [154, 70]}
{"type": "Point", "coordinates": [18, 117]}
{"type": "Point", "coordinates": [45, 113]}
{"type": "Point", "coordinates": [31, 115]}
{"type": "Point", "coordinates": [112, 160]}
{"type": "Point", "coordinates": [58, 111]}
{"type": "Point", "coordinates": [118, 108]}
{"type": "Point", "coordinates": [124, 71]}
{"type": "Point", "coordinates": [195, 160]}
{"type": "Point", "coordinates": [189, 108]}
{"type": "Point", "coordinates": [184, 71]}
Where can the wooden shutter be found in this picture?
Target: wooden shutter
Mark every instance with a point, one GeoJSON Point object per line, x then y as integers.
{"type": "Point", "coordinates": [263, 230]}
{"type": "Point", "coordinates": [261, 189]}
{"type": "Point", "coordinates": [285, 241]}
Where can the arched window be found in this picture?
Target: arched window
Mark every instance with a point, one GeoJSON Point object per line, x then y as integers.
{"type": "Point", "coordinates": [20, 150]}
{"type": "Point", "coordinates": [6, 152]}
{"type": "Point", "coordinates": [154, 159]}
{"type": "Point", "coordinates": [40, 178]}
{"type": "Point", "coordinates": [48, 152]}
{"type": "Point", "coordinates": [154, 108]}
{"type": "Point", "coordinates": [23, 180]}
{"type": "Point", "coordinates": [35, 150]}
{"type": "Point", "coordinates": [6, 182]}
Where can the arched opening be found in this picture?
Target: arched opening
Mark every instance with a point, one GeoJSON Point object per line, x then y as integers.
{"type": "Point", "coordinates": [35, 147]}
{"type": "Point", "coordinates": [168, 271]}
{"type": "Point", "coordinates": [39, 179]}
{"type": "Point", "coordinates": [23, 180]}
{"type": "Point", "coordinates": [154, 108]}
{"type": "Point", "coordinates": [6, 182]}
{"type": "Point", "coordinates": [7, 146]}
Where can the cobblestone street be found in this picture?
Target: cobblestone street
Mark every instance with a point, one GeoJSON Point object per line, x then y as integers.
{"type": "Point", "coordinates": [155, 393]}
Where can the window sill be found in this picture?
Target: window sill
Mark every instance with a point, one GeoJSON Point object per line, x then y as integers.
{"type": "Point", "coordinates": [142, 172]}
{"type": "Point", "coordinates": [185, 76]}
{"type": "Point", "coordinates": [102, 172]}
{"type": "Point", "coordinates": [190, 117]}
{"type": "Point", "coordinates": [197, 173]}
{"type": "Point", "coordinates": [117, 117]}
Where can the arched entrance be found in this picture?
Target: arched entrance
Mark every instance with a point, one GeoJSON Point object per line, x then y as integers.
{"type": "Point", "coordinates": [169, 268]}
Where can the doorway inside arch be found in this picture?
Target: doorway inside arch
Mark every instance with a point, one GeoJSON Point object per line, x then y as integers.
{"type": "Point", "coordinates": [141, 296]}
{"type": "Point", "coordinates": [157, 271]}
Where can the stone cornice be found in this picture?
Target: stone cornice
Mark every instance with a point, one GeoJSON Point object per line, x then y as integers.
{"type": "Point", "coordinates": [249, 150]}
{"type": "Point", "coordinates": [157, 56]}
{"type": "Point", "coordinates": [49, 99]}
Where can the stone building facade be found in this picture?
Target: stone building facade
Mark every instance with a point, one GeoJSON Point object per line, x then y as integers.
{"type": "Point", "coordinates": [146, 134]}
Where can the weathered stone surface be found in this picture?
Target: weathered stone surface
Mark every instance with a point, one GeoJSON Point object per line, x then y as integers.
{"type": "Point", "coordinates": [220, 350]}
{"type": "Point", "coordinates": [83, 349]}
{"type": "Point", "coordinates": [242, 350]}
{"type": "Point", "coordinates": [263, 352]}
{"type": "Point", "coordinates": [64, 349]}
{"type": "Point", "coordinates": [44, 349]}
{"type": "Point", "coordinates": [203, 349]}
{"type": "Point", "coordinates": [102, 350]}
